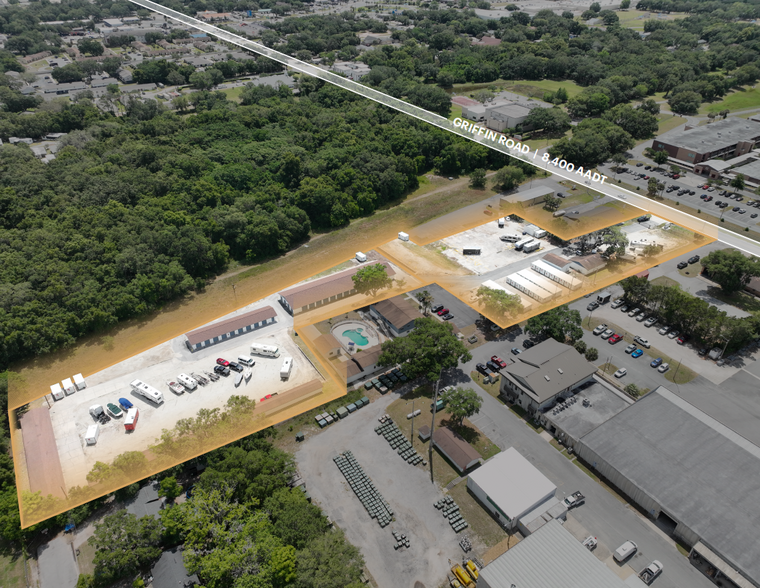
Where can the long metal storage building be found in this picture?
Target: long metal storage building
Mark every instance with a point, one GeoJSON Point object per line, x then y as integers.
{"type": "Point", "coordinates": [555, 274]}
{"type": "Point", "coordinates": [528, 287]}
{"type": "Point", "coordinates": [551, 287]}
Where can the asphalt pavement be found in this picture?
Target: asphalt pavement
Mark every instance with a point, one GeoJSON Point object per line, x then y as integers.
{"type": "Point", "coordinates": [57, 563]}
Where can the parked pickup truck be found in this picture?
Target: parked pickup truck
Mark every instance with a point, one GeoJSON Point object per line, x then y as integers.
{"type": "Point", "coordinates": [590, 542]}
{"type": "Point", "coordinates": [575, 499]}
{"type": "Point", "coordinates": [649, 573]}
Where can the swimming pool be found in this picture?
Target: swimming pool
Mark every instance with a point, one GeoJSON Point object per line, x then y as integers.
{"type": "Point", "coordinates": [356, 336]}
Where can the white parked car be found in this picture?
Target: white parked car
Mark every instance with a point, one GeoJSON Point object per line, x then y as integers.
{"type": "Point", "coordinates": [664, 330]}
{"type": "Point", "coordinates": [600, 329]}
{"type": "Point", "coordinates": [634, 312]}
{"type": "Point", "coordinates": [651, 321]}
{"type": "Point", "coordinates": [621, 372]}
{"type": "Point", "coordinates": [673, 334]}
{"type": "Point", "coordinates": [625, 551]}
{"type": "Point", "coordinates": [641, 318]}
{"type": "Point", "coordinates": [607, 334]}
{"type": "Point", "coordinates": [617, 303]}
{"type": "Point", "coordinates": [663, 368]}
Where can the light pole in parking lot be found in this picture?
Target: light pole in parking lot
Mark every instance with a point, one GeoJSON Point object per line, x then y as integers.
{"type": "Point", "coordinates": [407, 403]}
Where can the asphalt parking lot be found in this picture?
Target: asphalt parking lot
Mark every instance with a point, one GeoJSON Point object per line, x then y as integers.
{"type": "Point", "coordinates": [406, 488]}
{"type": "Point", "coordinates": [464, 315]}
{"type": "Point", "coordinates": [690, 182]}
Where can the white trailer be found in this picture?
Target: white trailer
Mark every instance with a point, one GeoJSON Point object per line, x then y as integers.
{"type": "Point", "coordinates": [522, 243]}
{"type": "Point", "coordinates": [360, 257]}
{"type": "Point", "coordinates": [147, 391]}
{"type": "Point", "coordinates": [287, 367]}
{"type": "Point", "coordinates": [56, 391]}
{"type": "Point", "coordinates": [534, 231]}
{"type": "Point", "coordinates": [79, 382]}
{"type": "Point", "coordinates": [265, 350]}
{"type": "Point", "coordinates": [403, 236]}
{"type": "Point", "coordinates": [92, 434]}
{"type": "Point", "coordinates": [187, 381]}
{"type": "Point", "coordinates": [530, 247]}
{"type": "Point", "coordinates": [68, 386]}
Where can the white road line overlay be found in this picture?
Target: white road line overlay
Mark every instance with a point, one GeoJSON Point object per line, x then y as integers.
{"type": "Point", "coordinates": [489, 139]}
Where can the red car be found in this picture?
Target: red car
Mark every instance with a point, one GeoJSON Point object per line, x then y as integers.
{"type": "Point", "coordinates": [223, 362]}
{"type": "Point", "coordinates": [498, 360]}
{"type": "Point", "coordinates": [614, 339]}
{"type": "Point", "coordinates": [682, 339]}
{"type": "Point", "coordinates": [443, 311]}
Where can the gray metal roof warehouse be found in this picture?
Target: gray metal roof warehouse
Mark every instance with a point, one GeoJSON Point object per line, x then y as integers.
{"type": "Point", "coordinates": [231, 327]}
{"type": "Point", "coordinates": [549, 558]}
{"type": "Point", "coordinates": [671, 458]}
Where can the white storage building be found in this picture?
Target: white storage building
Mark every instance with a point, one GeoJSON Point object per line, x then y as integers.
{"type": "Point", "coordinates": [551, 287]}
{"type": "Point", "coordinates": [556, 275]}
{"type": "Point", "coordinates": [528, 287]}
{"type": "Point", "coordinates": [510, 487]}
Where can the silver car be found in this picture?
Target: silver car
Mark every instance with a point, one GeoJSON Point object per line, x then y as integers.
{"type": "Point", "coordinates": [664, 330]}
{"type": "Point", "coordinates": [641, 318]}
{"type": "Point", "coordinates": [634, 312]}
{"type": "Point", "coordinates": [607, 334]}
{"type": "Point", "coordinates": [651, 321]}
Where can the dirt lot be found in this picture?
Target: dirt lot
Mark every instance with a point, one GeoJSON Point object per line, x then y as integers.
{"type": "Point", "coordinates": [494, 253]}
{"type": "Point", "coordinates": [70, 416]}
{"type": "Point", "coordinates": [408, 490]}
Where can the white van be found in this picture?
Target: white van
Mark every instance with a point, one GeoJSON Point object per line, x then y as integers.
{"type": "Point", "coordinates": [246, 360]}
{"type": "Point", "coordinates": [625, 551]}
{"type": "Point", "coordinates": [187, 381]}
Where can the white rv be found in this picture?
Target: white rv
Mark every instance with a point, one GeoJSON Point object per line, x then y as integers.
{"type": "Point", "coordinates": [147, 391]}
{"type": "Point", "coordinates": [287, 367]}
{"type": "Point", "coordinates": [187, 381]}
{"type": "Point", "coordinates": [265, 350]}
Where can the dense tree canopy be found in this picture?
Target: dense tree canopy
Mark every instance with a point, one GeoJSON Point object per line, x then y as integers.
{"type": "Point", "coordinates": [731, 269]}
{"type": "Point", "coordinates": [561, 323]}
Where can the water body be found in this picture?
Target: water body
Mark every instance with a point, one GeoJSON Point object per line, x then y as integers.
{"type": "Point", "coordinates": [356, 336]}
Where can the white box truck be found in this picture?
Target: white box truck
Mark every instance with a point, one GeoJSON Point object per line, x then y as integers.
{"type": "Point", "coordinates": [79, 382]}
{"type": "Point", "coordinates": [68, 386]}
{"type": "Point", "coordinates": [56, 391]}
{"type": "Point", "coordinates": [92, 434]}
{"type": "Point", "coordinates": [146, 391]}
{"type": "Point", "coordinates": [187, 381]}
{"type": "Point", "coordinates": [287, 367]}
{"type": "Point", "coordinates": [360, 257]}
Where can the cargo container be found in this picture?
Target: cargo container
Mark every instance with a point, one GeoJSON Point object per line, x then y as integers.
{"type": "Point", "coordinates": [79, 382]}
{"type": "Point", "coordinates": [131, 421]}
{"type": "Point", "coordinates": [68, 386]}
{"type": "Point", "coordinates": [56, 391]}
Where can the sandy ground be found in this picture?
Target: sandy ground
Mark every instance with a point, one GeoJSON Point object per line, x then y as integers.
{"type": "Point", "coordinates": [70, 416]}
{"type": "Point", "coordinates": [408, 490]}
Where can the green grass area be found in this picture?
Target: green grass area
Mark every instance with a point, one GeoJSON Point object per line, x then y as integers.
{"type": "Point", "coordinates": [668, 122]}
{"type": "Point", "coordinates": [530, 88]}
{"type": "Point", "coordinates": [86, 559]}
{"type": "Point", "coordinates": [456, 111]}
{"type": "Point", "coordinates": [635, 19]}
{"type": "Point", "coordinates": [12, 570]}
{"type": "Point", "coordinates": [234, 93]}
{"type": "Point", "coordinates": [741, 99]}
{"type": "Point", "coordinates": [492, 389]}
{"type": "Point", "coordinates": [480, 520]}
{"type": "Point", "coordinates": [741, 300]}
{"type": "Point", "coordinates": [665, 281]}
{"type": "Point", "coordinates": [608, 368]}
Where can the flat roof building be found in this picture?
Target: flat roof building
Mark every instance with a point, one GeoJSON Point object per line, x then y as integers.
{"type": "Point", "coordinates": [510, 486]}
{"type": "Point", "coordinates": [529, 197]}
{"type": "Point", "coordinates": [723, 139]}
{"type": "Point", "coordinates": [550, 557]}
{"type": "Point", "coordinates": [536, 378]}
{"type": "Point", "coordinates": [455, 449]}
{"type": "Point", "coordinates": [229, 328]}
{"type": "Point", "coordinates": [690, 473]}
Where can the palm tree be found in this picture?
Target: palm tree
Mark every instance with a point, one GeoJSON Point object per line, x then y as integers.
{"type": "Point", "coordinates": [425, 299]}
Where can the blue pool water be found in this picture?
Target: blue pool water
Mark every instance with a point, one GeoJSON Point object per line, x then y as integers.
{"type": "Point", "coordinates": [356, 336]}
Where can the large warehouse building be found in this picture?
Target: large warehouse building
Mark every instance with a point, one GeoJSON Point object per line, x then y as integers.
{"type": "Point", "coordinates": [550, 558]}
{"type": "Point", "coordinates": [723, 139]}
{"type": "Point", "coordinates": [229, 328]}
{"type": "Point", "coordinates": [690, 473]}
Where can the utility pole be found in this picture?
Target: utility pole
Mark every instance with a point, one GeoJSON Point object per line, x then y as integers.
{"type": "Point", "coordinates": [412, 437]}
{"type": "Point", "coordinates": [432, 426]}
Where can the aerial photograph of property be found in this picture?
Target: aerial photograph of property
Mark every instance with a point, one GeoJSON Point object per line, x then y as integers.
{"type": "Point", "coordinates": [384, 293]}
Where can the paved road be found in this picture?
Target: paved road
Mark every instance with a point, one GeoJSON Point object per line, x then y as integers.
{"type": "Point", "coordinates": [603, 515]}
{"type": "Point", "coordinates": [57, 565]}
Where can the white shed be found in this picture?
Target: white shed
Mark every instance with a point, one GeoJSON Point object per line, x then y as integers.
{"type": "Point", "coordinates": [56, 391]}
{"type": "Point", "coordinates": [68, 386]}
{"type": "Point", "coordinates": [79, 382]}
